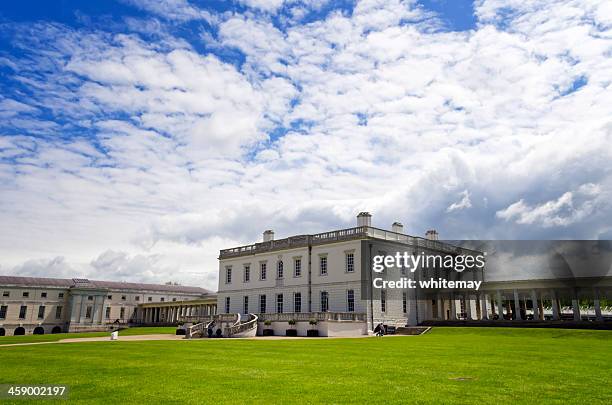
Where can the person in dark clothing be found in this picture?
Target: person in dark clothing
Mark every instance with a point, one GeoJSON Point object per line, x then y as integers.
{"type": "Point", "coordinates": [379, 330]}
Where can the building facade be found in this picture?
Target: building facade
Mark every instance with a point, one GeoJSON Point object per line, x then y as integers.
{"type": "Point", "coordinates": [31, 305]}
{"type": "Point", "coordinates": [324, 278]}
{"type": "Point", "coordinates": [321, 277]}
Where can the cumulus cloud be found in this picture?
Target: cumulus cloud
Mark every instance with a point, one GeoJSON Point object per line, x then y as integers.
{"type": "Point", "coordinates": [462, 204]}
{"type": "Point", "coordinates": [569, 208]}
{"type": "Point", "coordinates": [161, 151]}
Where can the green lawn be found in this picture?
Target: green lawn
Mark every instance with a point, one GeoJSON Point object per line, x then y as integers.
{"type": "Point", "coordinates": [447, 365]}
{"type": "Point", "coordinates": [59, 336]}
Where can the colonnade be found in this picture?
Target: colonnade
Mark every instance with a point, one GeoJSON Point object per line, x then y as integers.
{"type": "Point", "coordinates": [515, 305]}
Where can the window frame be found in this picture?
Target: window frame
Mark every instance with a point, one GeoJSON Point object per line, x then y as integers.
{"type": "Point", "coordinates": [322, 261]}
{"type": "Point", "coordinates": [297, 303]}
{"type": "Point", "coordinates": [350, 300]}
{"type": "Point", "coordinates": [247, 273]}
{"type": "Point", "coordinates": [351, 262]}
{"type": "Point", "coordinates": [324, 301]}
{"type": "Point", "coordinates": [297, 267]}
{"type": "Point", "coordinates": [280, 303]}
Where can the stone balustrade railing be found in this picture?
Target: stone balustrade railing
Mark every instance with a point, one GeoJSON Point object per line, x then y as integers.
{"type": "Point", "coordinates": [317, 316]}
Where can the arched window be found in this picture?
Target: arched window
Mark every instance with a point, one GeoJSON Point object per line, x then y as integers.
{"type": "Point", "coordinates": [19, 331]}
{"type": "Point", "coordinates": [56, 329]}
{"type": "Point", "coordinates": [279, 269]}
{"type": "Point", "coordinates": [2, 332]}
{"type": "Point", "coordinates": [39, 330]}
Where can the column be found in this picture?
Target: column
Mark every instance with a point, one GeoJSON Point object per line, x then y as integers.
{"type": "Point", "coordinates": [534, 305]}
{"type": "Point", "coordinates": [541, 307]}
{"type": "Point", "coordinates": [555, 305]}
{"type": "Point", "coordinates": [484, 311]}
{"type": "Point", "coordinates": [74, 314]}
{"type": "Point", "coordinates": [453, 312]}
{"type": "Point", "coordinates": [478, 307]}
{"type": "Point", "coordinates": [439, 309]}
{"type": "Point", "coordinates": [576, 308]}
{"type": "Point", "coordinates": [598, 315]}
{"type": "Point", "coordinates": [468, 307]}
{"type": "Point", "coordinates": [82, 312]}
{"type": "Point", "coordinates": [517, 306]}
{"type": "Point", "coordinates": [500, 306]}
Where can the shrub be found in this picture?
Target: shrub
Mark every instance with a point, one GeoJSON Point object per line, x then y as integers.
{"type": "Point", "coordinates": [313, 322]}
{"type": "Point", "coordinates": [267, 322]}
{"type": "Point", "coordinates": [291, 322]}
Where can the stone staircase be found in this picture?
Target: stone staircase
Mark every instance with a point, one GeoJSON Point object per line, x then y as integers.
{"type": "Point", "coordinates": [224, 325]}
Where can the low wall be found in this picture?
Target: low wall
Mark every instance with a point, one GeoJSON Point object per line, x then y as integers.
{"type": "Point", "coordinates": [325, 328]}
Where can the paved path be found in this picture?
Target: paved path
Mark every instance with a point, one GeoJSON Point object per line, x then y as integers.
{"type": "Point", "coordinates": [135, 338]}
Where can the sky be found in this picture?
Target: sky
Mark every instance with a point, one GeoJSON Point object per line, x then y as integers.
{"type": "Point", "coordinates": [139, 137]}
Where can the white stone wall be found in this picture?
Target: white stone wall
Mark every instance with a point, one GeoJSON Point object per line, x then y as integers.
{"type": "Point", "coordinates": [336, 282]}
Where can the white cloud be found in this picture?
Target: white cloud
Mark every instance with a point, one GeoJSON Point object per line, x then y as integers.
{"type": "Point", "coordinates": [569, 208]}
{"type": "Point", "coordinates": [464, 203]}
{"type": "Point", "coordinates": [177, 10]}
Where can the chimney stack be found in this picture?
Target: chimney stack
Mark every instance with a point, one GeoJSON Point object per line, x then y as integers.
{"type": "Point", "coordinates": [397, 227]}
{"type": "Point", "coordinates": [431, 234]}
{"type": "Point", "coordinates": [364, 219]}
{"type": "Point", "coordinates": [268, 235]}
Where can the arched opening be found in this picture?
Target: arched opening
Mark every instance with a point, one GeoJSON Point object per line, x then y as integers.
{"type": "Point", "coordinates": [39, 330]}
{"type": "Point", "coordinates": [56, 329]}
{"type": "Point", "coordinates": [2, 332]}
{"type": "Point", "coordinates": [19, 331]}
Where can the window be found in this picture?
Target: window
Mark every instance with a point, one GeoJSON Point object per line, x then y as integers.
{"type": "Point", "coordinates": [150, 299]}
{"type": "Point", "coordinates": [297, 268]}
{"type": "Point", "coordinates": [123, 297]}
{"type": "Point", "coordinates": [137, 298]}
{"type": "Point", "coordinates": [173, 299]}
{"type": "Point", "coordinates": [227, 305]}
{"type": "Point", "coordinates": [6, 294]}
{"type": "Point", "coordinates": [247, 274]}
{"type": "Point", "coordinates": [122, 313]}
{"type": "Point", "coordinates": [26, 294]}
{"type": "Point", "coordinates": [58, 313]}
{"type": "Point", "coordinates": [3, 310]}
{"type": "Point", "coordinates": [41, 312]}
{"type": "Point", "coordinates": [323, 265]}
{"type": "Point", "coordinates": [350, 301]}
{"type": "Point", "coordinates": [43, 295]}
{"type": "Point", "coordinates": [297, 302]}
{"type": "Point", "coordinates": [279, 269]}
{"type": "Point", "coordinates": [23, 311]}
{"type": "Point", "coordinates": [88, 311]}
{"type": "Point", "coordinates": [405, 302]}
{"type": "Point", "coordinates": [90, 298]}
{"type": "Point", "coordinates": [350, 262]}
{"type": "Point", "coordinates": [60, 295]}
{"type": "Point", "coordinates": [279, 303]}
{"type": "Point", "coordinates": [110, 297]}
{"type": "Point", "coordinates": [162, 299]}
{"type": "Point", "coordinates": [324, 301]}
{"type": "Point", "coordinates": [262, 304]}
{"type": "Point", "coordinates": [245, 305]}
{"type": "Point", "coordinates": [383, 300]}
{"type": "Point", "coordinates": [262, 271]}
{"type": "Point", "coordinates": [228, 275]}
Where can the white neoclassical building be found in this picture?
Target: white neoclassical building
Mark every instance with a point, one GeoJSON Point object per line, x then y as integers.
{"type": "Point", "coordinates": [33, 305]}
{"type": "Point", "coordinates": [324, 277]}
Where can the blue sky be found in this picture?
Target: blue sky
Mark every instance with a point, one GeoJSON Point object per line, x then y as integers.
{"type": "Point", "coordinates": [139, 137]}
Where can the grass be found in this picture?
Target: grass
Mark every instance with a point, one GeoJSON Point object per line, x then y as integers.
{"type": "Point", "coordinates": [59, 336]}
{"type": "Point", "coordinates": [447, 365]}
